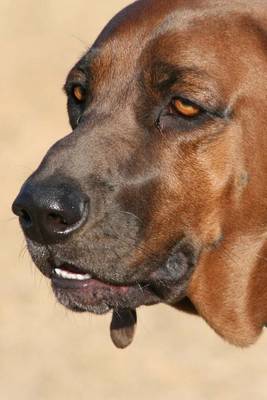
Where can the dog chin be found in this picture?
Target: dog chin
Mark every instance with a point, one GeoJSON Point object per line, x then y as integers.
{"type": "Point", "coordinates": [74, 304]}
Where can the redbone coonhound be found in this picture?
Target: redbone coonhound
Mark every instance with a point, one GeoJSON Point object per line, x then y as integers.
{"type": "Point", "coordinates": [158, 194]}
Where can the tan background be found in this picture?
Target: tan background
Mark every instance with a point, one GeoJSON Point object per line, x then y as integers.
{"type": "Point", "coordinates": [48, 353]}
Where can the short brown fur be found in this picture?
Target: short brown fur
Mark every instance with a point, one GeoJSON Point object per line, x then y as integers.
{"type": "Point", "coordinates": [198, 183]}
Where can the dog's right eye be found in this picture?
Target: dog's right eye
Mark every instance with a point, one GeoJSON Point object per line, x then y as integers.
{"type": "Point", "coordinates": [77, 96]}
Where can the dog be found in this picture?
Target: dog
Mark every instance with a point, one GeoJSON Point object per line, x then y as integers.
{"type": "Point", "coordinates": [158, 194]}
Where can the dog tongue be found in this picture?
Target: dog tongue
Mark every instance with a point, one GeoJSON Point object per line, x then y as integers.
{"type": "Point", "coordinates": [122, 327]}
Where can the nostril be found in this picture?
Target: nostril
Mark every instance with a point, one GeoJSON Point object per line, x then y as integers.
{"type": "Point", "coordinates": [57, 218]}
{"type": "Point", "coordinates": [57, 221]}
{"type": "Point", "coordinates": [25, 218]}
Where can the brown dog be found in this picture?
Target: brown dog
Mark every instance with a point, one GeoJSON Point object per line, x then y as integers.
{"type": "Point", "coordinates": [158, 193]}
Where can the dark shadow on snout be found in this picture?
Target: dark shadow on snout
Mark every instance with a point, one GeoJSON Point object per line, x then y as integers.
{"type": "Point", "coordinates": [51, 210]}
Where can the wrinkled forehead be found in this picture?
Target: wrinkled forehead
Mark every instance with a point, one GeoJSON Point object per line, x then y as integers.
{"type": "Point", "coordinates": [210, 39]}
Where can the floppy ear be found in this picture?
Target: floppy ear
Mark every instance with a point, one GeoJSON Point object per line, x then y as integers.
{"type": "Point", "coordinates": [229, 285]}
{"type": "Point", "coordinates": [229, 289]}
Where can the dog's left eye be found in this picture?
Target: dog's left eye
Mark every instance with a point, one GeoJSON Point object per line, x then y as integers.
{"type": "Point", "coordinates": [185, 108]}
{"type": "Point", "coordinates": [183, 115]}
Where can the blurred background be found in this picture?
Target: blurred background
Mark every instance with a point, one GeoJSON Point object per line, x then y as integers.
{"type": "Point", "coordinates": [48, 353]}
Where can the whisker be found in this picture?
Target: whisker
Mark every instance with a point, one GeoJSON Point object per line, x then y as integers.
{"type": "Point", "coordinates": [131, 214]}
{"type": "Point", "coordinates": [11, 219]}
{"type": "Point", "coordinates": [23, 250]}
{"type": "Point", "coordinates": [83, 42]}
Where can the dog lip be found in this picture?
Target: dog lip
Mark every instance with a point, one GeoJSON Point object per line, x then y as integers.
{"type": "Point", "coordinates": [63, 283]}
{"type": "Point", "coordinates": [90, 291]}
{"type": "Point", "coordinates": [60, 268]}
{"type": "Point", "coordinates": [68, 276]}
{"type": "Point", "coordinates": [60, 282]}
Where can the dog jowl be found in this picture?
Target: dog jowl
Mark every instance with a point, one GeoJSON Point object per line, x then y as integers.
{"type": "Point", "coordinates": [148, 199]}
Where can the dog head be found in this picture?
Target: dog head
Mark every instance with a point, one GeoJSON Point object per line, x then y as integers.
{"type": "Point", "coordinates": [162, 175]}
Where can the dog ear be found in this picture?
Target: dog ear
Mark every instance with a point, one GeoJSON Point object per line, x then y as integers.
{"type": "Point", "coordinates": [229, 285]}
{"type": "Point", "coordinates": [228, 289]}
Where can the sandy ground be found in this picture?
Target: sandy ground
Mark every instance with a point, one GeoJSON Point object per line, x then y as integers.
{"type": "Point", "coordinates": [47, 352]}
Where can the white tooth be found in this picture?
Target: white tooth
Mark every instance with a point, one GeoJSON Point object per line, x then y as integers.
{"type": "Point", "coordinates": [82, 277]}
{"type": "Point", "coordinates": [70, 275]}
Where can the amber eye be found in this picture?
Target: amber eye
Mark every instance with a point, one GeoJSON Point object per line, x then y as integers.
{"type": "Point", "coordinates": [186, 108]}
{"type": "Point", "coordinates": [79, 93]}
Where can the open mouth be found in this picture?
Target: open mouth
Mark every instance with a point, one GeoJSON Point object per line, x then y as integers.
{"type": "Point", "coordinates": [70, 277]}
{"type": "Point", "coordinates": [80, 291]}
{"type": "Point", "coordinates": [94, 290]}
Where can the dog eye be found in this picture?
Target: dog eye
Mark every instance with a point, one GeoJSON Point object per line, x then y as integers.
{"type": "Point", "coordinates": [185, 108]}
{"type": "Point", "coordinates": [79, 93]}
{"type": "Point", "coordinates": [182, 115]}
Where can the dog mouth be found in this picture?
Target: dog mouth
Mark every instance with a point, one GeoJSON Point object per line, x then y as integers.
{"type": "Point", "coordinates": [68, 276]}
{"type": "Point", "coordinates": [80, 291]}
{"type": "Point", "coordinates": [99, 290]}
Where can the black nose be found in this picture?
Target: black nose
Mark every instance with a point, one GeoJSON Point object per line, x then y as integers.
{"type": "Point", "coordinates": [48, 211]}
